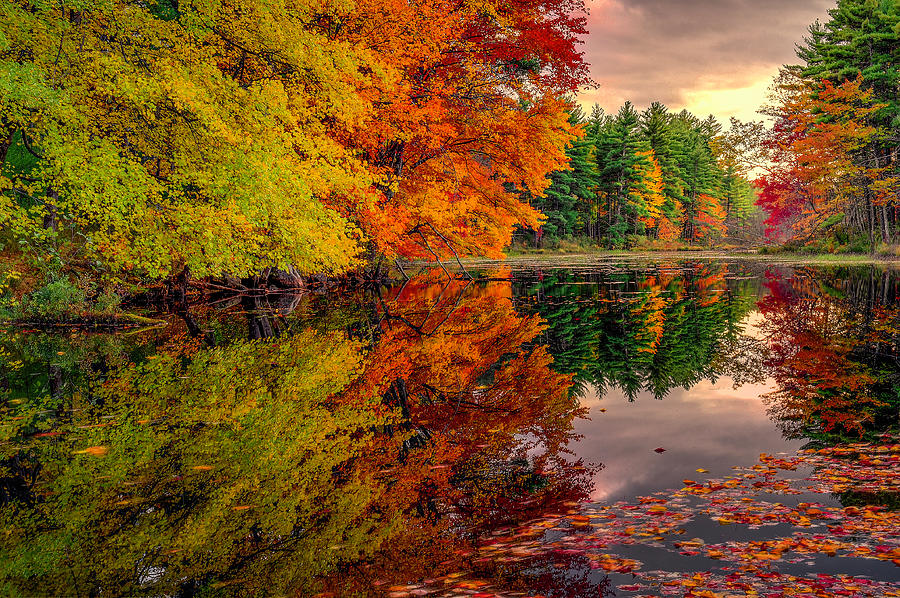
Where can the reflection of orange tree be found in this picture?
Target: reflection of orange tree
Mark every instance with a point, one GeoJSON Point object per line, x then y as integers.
{"type": "Point", "coordinates": [260, 466]}
{"type": "Point", "coordinates": [831, 358]}
{"type": "Point", "coordinates": [473, 398]}
{"type": "Point", "coordinates": [481, 419]}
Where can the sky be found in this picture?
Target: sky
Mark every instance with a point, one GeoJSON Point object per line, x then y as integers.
{"type": "Point", "coordinates": [709, 56]}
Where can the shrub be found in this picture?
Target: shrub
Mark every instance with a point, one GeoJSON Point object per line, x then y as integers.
{"type": "Point", "coordinates": [107, 302]}
{"type": "Point", "coordinates": [55, 299]}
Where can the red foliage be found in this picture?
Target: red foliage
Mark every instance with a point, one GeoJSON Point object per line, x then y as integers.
{"type": "Point", "coordinates": [468, 105]}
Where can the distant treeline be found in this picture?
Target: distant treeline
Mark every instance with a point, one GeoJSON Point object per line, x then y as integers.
{"type": "Point", "coordinates": [651, 175]}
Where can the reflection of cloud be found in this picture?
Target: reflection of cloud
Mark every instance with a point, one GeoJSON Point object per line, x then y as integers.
{"type": "Point", "coordinates": [710, 56]}
{"type": "Point", "coordinates": [712, 426]}
{"type": "Point", "coordinates": [710, 396]}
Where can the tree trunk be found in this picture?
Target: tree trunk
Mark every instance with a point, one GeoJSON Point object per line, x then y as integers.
{"type": "Point", "coordinates": [50, 219]}
{"type": "Point", "coordinates": [258, 324]}
{"type": "Point", "coordinates": [871, 213]}
{"type": "Point", "coordinates": [55, 379]}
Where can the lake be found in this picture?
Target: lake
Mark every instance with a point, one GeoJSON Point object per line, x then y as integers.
{"type": "Point", "coordinates": [682, 428]}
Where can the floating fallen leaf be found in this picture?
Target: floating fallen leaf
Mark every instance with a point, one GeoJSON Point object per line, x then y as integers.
{"type": "Point", "coordinates": [660, 450]}
{"type": "Point", "coordinates": [94, 451]}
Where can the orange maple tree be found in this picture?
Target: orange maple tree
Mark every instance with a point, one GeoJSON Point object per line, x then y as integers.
{"type": "Point", "coordinates": [468, 108]}
{"type": "Point", "coordinates": [710, 218]}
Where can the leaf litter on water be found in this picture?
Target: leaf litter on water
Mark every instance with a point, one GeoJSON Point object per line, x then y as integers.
{"type": "Point", "coordinates": [589, 534]}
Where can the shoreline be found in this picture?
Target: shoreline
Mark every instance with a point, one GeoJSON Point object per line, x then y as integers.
{"type": "Point", "coordinates": [563, 260]}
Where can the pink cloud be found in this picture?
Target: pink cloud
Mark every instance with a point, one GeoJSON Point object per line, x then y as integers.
{"type": "Point", "coordinates": [675, 51]}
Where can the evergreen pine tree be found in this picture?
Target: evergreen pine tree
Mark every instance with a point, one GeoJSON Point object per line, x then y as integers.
{"type": "Point", "coordinates": [622, 155]}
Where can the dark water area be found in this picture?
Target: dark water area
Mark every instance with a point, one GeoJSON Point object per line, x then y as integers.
{"type": "Point", "coordinates": [589, 431]}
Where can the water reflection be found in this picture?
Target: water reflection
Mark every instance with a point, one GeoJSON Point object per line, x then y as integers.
{"type": "Point", "coordinates": [712, 426]}
{"type": "Point", "coordinates": [834, 351]}
{"type": "Point", "coordinates": [647, 330]}
{"type": "Point", "coordinates": [262, 464]}
{"type": "Point", "coordinates": [341, 443]}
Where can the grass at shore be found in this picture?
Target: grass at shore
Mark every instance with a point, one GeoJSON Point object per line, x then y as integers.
{"type": "Point", "coordinates": [563, 259]}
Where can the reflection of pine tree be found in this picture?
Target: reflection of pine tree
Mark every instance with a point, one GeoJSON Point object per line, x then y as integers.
{"type": "Point", "coordinates": [640, 332]}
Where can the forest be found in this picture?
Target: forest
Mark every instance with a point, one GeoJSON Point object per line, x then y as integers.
{"type": "Point", "coordinates": [821, 174]}
{"type": "Point", "coordinates": [635, 177]}
{"type": "Point", "coordinates": [251, 140]}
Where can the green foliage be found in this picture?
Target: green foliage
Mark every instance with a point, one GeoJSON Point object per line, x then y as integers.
{"type": "Point", "coordinates": [567, 202]}
{"type": "Point", "coordinates": [833, 220]}
{"type": "Point", "coordinates": [19, 160]}
{"type": "Point", "coordinates": [665, 336]}
{"type": "Point", "coordinates": [54, 300]}
{"type": "Point", "coordinates": [620, 155]}
{"type": "Point", "coordinates": [859, 37]}
{"type": "Point", "coordinates": [656, 124]}
{"type": "Point", "coordinates": [107, 302]}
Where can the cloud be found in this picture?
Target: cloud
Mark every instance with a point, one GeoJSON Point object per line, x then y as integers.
{"type": "Point", "coordinates": [707, 56]}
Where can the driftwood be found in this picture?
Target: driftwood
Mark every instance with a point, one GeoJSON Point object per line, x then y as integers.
{"type": "Point", "coordinates": [88, 321]}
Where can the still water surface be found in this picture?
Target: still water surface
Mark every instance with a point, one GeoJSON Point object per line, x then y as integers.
{"type": "Point", "coordinates": [389, 440]}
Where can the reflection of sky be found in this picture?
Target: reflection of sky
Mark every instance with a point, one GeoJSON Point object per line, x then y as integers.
{"type": "Point", "coordinates": [711, 426]}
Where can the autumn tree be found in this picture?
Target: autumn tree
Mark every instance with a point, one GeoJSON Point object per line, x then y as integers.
{"type": "Point", "coordinates": [239, 135]}
{"type": "Point", "coordinates": [166, 136]}
{"type": "Point", "coordinates": [821, 178]}
{"type": "Point", "coordinates": [835, 131]}
{"type": "Point", "coordinates": [469, 110]}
